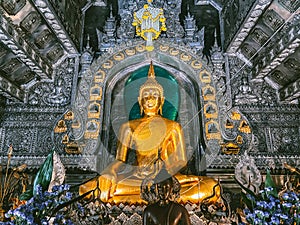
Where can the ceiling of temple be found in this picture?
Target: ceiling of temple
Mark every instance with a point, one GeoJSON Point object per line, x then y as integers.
{"type": "Point", "coordinates": [260, 37]}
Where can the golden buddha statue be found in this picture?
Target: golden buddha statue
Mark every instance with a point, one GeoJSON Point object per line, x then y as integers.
{"type": "Point", "coordinates": [156, 141]}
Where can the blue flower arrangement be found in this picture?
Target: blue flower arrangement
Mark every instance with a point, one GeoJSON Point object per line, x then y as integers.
{"type": "Point", "coordinates": [268, 207]}
{"type": "Point", "coordinates": [42, 208]}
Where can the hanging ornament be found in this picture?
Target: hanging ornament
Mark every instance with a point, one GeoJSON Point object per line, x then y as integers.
{"type": "Point", "coordinates": [149, 23]}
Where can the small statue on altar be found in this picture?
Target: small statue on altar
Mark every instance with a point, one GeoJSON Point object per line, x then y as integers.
{"type": "Point", "coordinates": [165, 210]}
{"type": "Point", "coordinates": [155, 141]}
{"type": "Point", "coordinates": [245, 93]}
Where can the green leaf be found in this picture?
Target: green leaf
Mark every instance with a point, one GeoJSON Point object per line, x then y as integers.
{"type": "Point", "coordinates": [269, 183]}
{"type": "Point", "coordinates": [44, 175]}
{"type": "Point", "coordinates": [247, 189]}
{"type": "Point", "coordinates": [26, 195]}
{"type": "Point", "coordinates": [249, 203]}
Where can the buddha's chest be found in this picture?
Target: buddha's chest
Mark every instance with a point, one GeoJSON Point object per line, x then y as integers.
{"type": "Point", "coordinates": [150, 135]}
{"type": "Point", "coordinates": [165, 216]}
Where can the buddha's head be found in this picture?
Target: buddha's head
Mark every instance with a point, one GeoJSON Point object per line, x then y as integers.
{"type": "Point", "coordinates": [151, 95]}
{"type": "Point", "coordinates": [164, 184]}
{"type": "Point", "coordinates": [164, 189]}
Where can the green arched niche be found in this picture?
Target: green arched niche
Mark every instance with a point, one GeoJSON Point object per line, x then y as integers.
{"type": "Point", "coordinates": [164, 78]}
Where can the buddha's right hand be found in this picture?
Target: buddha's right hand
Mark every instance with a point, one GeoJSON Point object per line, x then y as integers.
{"type": "Point", "coordinates": [107, 184]}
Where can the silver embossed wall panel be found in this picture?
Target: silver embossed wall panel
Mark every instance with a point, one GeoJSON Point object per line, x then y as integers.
{"type": "Point", "coordinates": [29, 130]}
{"type": "Point", "coordinates": [276, 130]}
{"type": "Point", "coordinates": [234, 14]}
{"type": "Point", "coordinates": [70, 14]}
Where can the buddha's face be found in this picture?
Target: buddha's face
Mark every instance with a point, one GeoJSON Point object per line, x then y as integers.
{"type": "Point", "coordinates": [164, 190]}
{"type": "Point", "coordinates": [151, 100]}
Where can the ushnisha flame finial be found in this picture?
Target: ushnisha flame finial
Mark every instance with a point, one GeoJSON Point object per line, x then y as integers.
{"type": "Point", "coordinates": [151, 72]}
{"type": "Point", "coordinates": [151, 82]}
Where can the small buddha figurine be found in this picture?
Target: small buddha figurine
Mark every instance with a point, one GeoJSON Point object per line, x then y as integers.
{"type": "Point", "coordinates": [165, 210]}
{"type": "Point", "coordinates": [154, 140]}
{"type": "Point", "coordinates": [57, 96]}
{"type": "Point", "coordinates": [245, 93]}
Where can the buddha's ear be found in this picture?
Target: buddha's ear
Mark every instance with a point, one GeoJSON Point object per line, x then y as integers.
{"type": "Point", "coordinates": [141, 107]}
{"type": "Point", "coordinates": [162, 99]}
